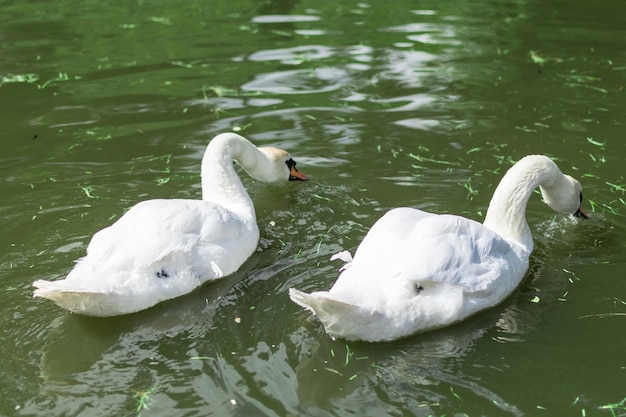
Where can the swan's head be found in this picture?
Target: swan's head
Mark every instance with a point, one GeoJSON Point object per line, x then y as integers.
{"type": "Point", "coordinates": [565, 196]}
{"type": "Point", "coordinates": [280, 166]}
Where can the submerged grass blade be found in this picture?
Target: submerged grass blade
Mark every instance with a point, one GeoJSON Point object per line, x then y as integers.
{"type": "Point", "coordinates": [455, 394]}
{"type": "Point", "coordinates": [334, 371]}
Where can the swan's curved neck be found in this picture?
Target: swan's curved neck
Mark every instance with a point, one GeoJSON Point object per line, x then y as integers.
{"type": "Point", "coordinates": [220, 182]}
{"type": "Point", "coordinates": [506, 214]}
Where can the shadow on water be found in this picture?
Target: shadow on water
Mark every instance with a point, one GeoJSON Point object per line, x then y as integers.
{"type": "Point", "coordinates": [75, 343]}
{"type": "Point", "coordinates": [310, 374]}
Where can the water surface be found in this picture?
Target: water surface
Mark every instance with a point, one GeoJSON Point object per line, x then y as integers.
{"type": "Point", "coordinates": [383, 104]}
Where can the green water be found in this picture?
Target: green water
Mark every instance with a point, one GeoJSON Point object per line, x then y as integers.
{"type": "Point", "coordinates": [383, 104]}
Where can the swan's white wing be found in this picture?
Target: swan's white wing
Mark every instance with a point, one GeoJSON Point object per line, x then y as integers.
{"type": "Point", "coordinates": [412, 245]}
{"type": "Point", "coordinates": [155, 229]}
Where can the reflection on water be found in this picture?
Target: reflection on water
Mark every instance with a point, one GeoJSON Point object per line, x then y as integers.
{"type": "Point", "coordinates": [302, 374]}
{"type": "Point", "coordinates": [383, 105]}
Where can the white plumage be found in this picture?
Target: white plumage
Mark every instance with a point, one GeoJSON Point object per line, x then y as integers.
{"type": "Point", "coordinates": [415, 271]}
{"type": "Point", "coordinates": [161, 249]}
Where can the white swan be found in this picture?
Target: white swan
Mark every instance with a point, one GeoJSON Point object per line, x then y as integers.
{"type": "Point", "coordinates": [161, 249]}
{"type": "Point", "coordinates": [415, 271]}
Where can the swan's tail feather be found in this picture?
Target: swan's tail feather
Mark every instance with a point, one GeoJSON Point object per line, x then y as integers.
{"type": "Point", "coordinates": [339, 318]}
{"type": "Point", "coordinates": [54, 289]}
{"type": "Point", "coordinates": [88, 303]}
{"type": "Point", "coordinates": [303, 299]}
{"type": "Point", "coordinates": [323, 305]}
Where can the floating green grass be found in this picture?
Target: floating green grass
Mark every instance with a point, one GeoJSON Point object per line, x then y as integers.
{"type": "Point", "coordinates": [88, 190]}
{"type": "Point", "coordinates": [283, 245]}
{"type": "Point", "coordinates": [596, 143]}
{"type": "Point", "coordinates": [590, 175]}
{"type": "Point", "coordinates": [589, 87]}
{"type": "Point", "coordinates": [221, 91]}
{"type": "Point", "coordinates": [348, 355]}
{"type": "Point", "coordinates": [62, 76]}
{"type": "Point", "coordinates": [432, 160]}
{"type": "Point", "coordinates": [217, 91]}
{"type": "Point", "coordinates": [621, 406]}
{"type": "Point", "coordinates": [538, 59]}
{"type": "Point", "coordinates": [616, 187]}
{"type": "Point", "coordinates": [19, 78]}
{"type": "Point", "coordinates": [183, 64]}
{"type": "Point", "coordinates": [455, 394]}
{"type": "Point", "coordinates": [143, 398]}
{"type": "Point", "coordinates": [241, 128]}
{"type": "Point", "coordinates": [471, 192]}
{"type": "Point", "coordinates": [572, 276]}
{"type": "Point", "coordinates": [319, 197]}
{"type": "Point", "coordinates": [611, 209]}
{"type": "Point", "coordinates": [334, 371]}
{"type": "Point", "coordinates": [526, 129]}
{"type": "Point", "coordinates": [160, 19]}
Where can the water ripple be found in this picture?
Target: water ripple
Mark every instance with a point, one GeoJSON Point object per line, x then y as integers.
{"type": "Point", "coordinates": [291, 18]}
{"type": "Point", "coordinates": [299, 81]}
{"type": "Point", "coordinates": [293, 55]}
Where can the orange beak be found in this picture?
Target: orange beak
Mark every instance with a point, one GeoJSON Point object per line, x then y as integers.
{"type": "Point", "coordinates": [295, 175]}
{"type": "Point", "coordinates": [580, 213]}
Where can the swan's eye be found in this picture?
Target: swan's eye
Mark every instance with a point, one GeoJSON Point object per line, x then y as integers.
{"type": "Point", "coordinates": [290, 163]}
{"type": "Point", "coordinates": [581, 197]}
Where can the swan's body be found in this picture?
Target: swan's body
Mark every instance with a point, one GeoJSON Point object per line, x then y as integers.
{"type": "Point", "coordinates": [416, 271]}
{"type": "Point", "coordinates": [161, 249]}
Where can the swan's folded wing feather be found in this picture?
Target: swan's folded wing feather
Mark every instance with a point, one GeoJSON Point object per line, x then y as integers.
{"type": "Point", "coordinates": [153, 229]}
{"type": "Point", "coordinates": [412, 245]}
